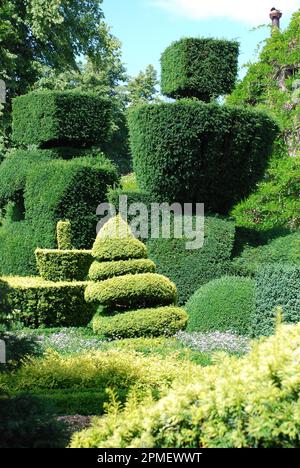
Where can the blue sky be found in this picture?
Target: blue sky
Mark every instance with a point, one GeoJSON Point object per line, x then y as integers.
{"type": "Point", "coordinates": [147, 27]}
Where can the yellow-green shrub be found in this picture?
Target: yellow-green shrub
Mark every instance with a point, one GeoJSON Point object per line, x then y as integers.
{"type": "Point", "coordinates": [163, 321]}
{"type": "Point", "coordinates": [63, 265]}
{"type": "Point", "coordinates": [118, 249]}
{"type": "Point", "coordinates": [40, 303]}
{"type": "Point", "coordinates": [129, 291]}
{"type": "Point", "coordinates": [251, 402]}
{"type": "Point", "coordinates": [100, 271]}
{"type": "Point", "coordinates": [57, 377]}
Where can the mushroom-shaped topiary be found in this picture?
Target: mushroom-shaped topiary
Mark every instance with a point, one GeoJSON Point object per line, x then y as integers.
{"type": "Point", "coordinates": [133, 300]}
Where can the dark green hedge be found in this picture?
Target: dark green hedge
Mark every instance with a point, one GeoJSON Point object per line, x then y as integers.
{"type": "Point", "coordinates": [162, 321]}
{"type": "Point", "coordinates": [202, 68]}
{"type": "Point", "coordinates": [63, 265]}
{"type": "Point", "coordinates": [277, 286]}
{"type": "Point", "coordinates": [284, 249]}
{"type": "Point", "coordinates": [190, 269]}
{"type": "Point", "coordinates": [194, 152]}
{"type": "Point", "coordinates": [38, 303]}
{"type": "Point", "coordinates": [48, 190]}
{"type": "Point", "coordinates": [223, 305]}
{"type": "Point", "coordinates": [54, 118]}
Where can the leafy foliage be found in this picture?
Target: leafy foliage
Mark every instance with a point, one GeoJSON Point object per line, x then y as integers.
{"type": "Point", "coordinates": [238, 403]}
{"type": "Point", "coordinates": [100, 271]}
{"type": "Point", "coordinates": [80, 185]}
{"type": "Point", "coordinates": [202, 68]}
{"type": "Point", "coordinates": [275, 203]}
{"type": "Point", "coordinates": [142, 88]}
{"type": "Point", "coordinates": [162, 321]}
{"type": "Point", "coordinates": [63, 265]}
{"type": "Point", "coordinates": [64, 235]}
{"type": "Point", "coordinates": [87, 375]}
{"type": "Point", "coordinates": [130, 291]}
{"type": "Point", "coordinates": [225, 304]}
{"type": "Point", "coordinates": [190, 269]}
{"type": "Point", "coordinates": [53, 118]}
{"type": "Point", "coordinates": [38, 303]}
{"type": "Point", "coordinates": [199, 153]}
{"type": "Point", "coordinates": [272, 83]}
{"type": "Point", "coordinates": [282, 249]}
{"type": "Point", "coordinates": [277, 287]}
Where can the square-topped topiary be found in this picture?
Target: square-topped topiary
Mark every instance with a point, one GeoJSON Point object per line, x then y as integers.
{"type": "Point", "coordinates": [201, 68]}
{"type": "Point", "coordinates": [53, 118]}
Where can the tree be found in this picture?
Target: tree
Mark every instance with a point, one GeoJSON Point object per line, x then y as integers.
{"type": "Point", "coordinates": [272, 83]}
{"type": "Point", "coordinates": [142, 88]}
{"type": "Point", "coordinates": [41, 43]}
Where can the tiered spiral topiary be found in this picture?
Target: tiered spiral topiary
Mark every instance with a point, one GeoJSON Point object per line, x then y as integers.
{"type": "Point", "coordinates": [134, 301]}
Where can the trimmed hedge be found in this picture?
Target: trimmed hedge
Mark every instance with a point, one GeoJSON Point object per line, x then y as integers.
{"type": "Point", "coordinates": [202, 68]}
{"type": "Point", "coordinates": [249, 402]}
{"type": "Point", "coordinates": [277, 286]}
{"type": "Point", "coordinates": [61, 118]}
{"type": "Point", "coordinates": [163, 321]}
{"type": "Point", "coordinates": [193, 152]}
{"type": "Point", "coordinates": [100, 271]}
{"type": "Point", "coordinates": [118, 249]}
{"type": "Point", "coordinates": [28, 181]}
{"type": "Point", "coordinates": [284, 249]}
{"type": "Point", "coordinates": [225, 304]}
{"type": "Point", "coordinates": [38, 303]}
{"type": "Point", "coordinates": [190, 269]}
{"type": "Point", "coordinates": [64, 235]}
{"type": "Point", "coordinates": [126, 292]}
{"type": "Point", "coordinates": [63, 265]}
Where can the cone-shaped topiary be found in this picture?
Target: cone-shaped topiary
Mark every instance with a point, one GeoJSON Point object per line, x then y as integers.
{"type": "Point", "coordinates": [128, 288]}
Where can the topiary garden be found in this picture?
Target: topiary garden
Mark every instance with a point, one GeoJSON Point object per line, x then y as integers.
{"type": "Point", "coordinates": [175, 347]}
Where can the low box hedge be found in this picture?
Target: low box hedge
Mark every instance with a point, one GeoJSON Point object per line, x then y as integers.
{"type": "Point", "coordinates": [100, 271]}
{"type": "Point", "coordinates": [132, 291]}
{"type": "Point", "coordinates": [162, 321]}
{"type": "Point", "coordinates": [39, 303]}
{"type": "Point", "coordinates": [63, 265]}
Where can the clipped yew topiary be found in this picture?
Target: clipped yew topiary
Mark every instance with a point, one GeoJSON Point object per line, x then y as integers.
{"type": "Point", "coordinates": [196, 150]}
{"type": "Point", "coordinates": [61, 118]}
{"type": "Point", "coordinates": [131, 302]}
{"type": "Point", "coordinates": [57, 297]}
{"type": "Point", "coordinates": [190, 151]}
{"type": "Point", "coordinates": [64, 178]}
{"type": "Point", "coordinates": [203, 68]}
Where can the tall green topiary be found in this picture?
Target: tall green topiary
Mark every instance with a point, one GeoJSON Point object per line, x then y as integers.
{"type": "Point", "coordinates": [199, 152]}
{"type": "Point", "coordinates": [202, 68]}
{"type": "Point", "coordinates": [133, 300]}
{"type": "Point", "coordinates": [65, 178]}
